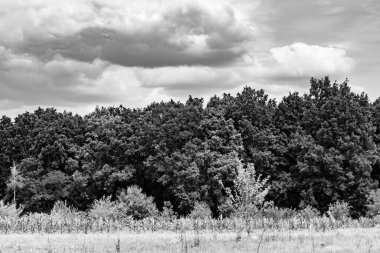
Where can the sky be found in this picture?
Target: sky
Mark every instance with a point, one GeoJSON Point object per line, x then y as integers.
{"type": "Point", "coordinates": [75, 55]}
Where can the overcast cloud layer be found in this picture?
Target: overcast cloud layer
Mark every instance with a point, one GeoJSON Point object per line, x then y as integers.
{"type": "Point", "coordinates": [76, 54]}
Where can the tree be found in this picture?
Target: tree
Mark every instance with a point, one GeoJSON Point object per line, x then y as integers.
{"type": "Point", "coordinates": [6, 153]}
{"type": "Point", "coordinates": [330, 150]}
{"type": "Point", "coordinates": [43, 144]}
{"type": "Point", "coordinates": [15, 182]}
{"type": "Point", "coordinates": [199, 170]}
{"type": "Point", "coordinates": [316, 149]}
{"type": "Point", "coordinates": [250, 191]}
{"type": "Point", "coordinates": [136, 204]}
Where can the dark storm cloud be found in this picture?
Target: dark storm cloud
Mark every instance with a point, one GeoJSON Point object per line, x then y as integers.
{"type": "Point", "coordinates": [184, 36]}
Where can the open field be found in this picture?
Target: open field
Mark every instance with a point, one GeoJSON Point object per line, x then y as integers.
{"type": "Point", "coordinates": [338, 240]}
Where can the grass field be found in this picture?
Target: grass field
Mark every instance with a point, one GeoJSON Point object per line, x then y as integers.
{"type": "Point", "coordinates": [338, 240]}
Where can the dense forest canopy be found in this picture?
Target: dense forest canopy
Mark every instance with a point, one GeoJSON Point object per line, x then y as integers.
{"type": "Point", "coordinates": [316, 149]}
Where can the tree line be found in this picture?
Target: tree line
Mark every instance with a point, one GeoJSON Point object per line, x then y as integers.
{"type": "Point", "coordinates": [314, 149]}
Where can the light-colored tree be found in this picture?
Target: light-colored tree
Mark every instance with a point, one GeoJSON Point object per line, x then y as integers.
{"type": "Point", "coordinates": [104, 208]}
{"type": "Point", "coordinates": [15, 182]}
{"type": "Point", "coordinates": [249, 197]}
{"type": "Point", "coordinates": [250, 190]}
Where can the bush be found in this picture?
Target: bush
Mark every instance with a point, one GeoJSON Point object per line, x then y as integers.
{"type": "Point", "coordinates": [373, 208]}
{"type": "Point", "coordinates": [227, 208]}
{"type": "Point", "coordinates": [136, 204]}
{"type": "Point", "coordinates": [251, 189]}
{"type": "Point", "coordinates": [309, 213]}
{"type": "Point", "coordinates": [250, 192]}
{"type": "Point", "coordinates": [276, 213]}
{"type": "Point", "coordinates": [200, 211]}
{"type": "Point", "coordinates": [9, 210]}
{"type": "Point", "coordinates": [167, 211]}
{"type": "Point", "coordinates": [104, 208]}
{"type": "Point", "coordinates": [62, 210]}
{"type": "Point", "coordinates": [340, 210]}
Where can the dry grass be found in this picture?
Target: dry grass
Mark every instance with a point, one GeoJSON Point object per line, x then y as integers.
{"type": "Point", "coordinates": [339, 240]}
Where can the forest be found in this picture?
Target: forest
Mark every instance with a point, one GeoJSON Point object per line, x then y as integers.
{"type": "Point", "coordinates": [314, 149]}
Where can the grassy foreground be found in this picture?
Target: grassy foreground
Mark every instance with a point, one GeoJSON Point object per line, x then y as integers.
{"type": "Point", "coordinates": [337, 240]}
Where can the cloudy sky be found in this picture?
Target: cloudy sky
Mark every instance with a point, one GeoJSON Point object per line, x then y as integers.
{"type": "Point", "coordinates": [77, 54]}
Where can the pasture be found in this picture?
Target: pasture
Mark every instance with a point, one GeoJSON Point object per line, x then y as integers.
{"type": "Point", "coordinates": [305, 240]}
{"type": "Point", "coordinates": [48, 233]}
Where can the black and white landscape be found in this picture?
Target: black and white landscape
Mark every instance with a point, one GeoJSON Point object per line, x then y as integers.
{"type": "Point", "coordinates": [189, 126]}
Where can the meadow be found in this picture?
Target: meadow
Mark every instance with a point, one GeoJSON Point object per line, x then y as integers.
{"type": "Point", "coordinates": [338, 240]}
{"type": "Point", "coordinates": [47, 233]}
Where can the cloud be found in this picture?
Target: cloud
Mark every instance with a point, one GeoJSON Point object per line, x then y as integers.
{"type": "Point", "coordinates": [81, 53]}
{"type": "Point", "coordinates": [130, 34]}
{"type": "Point", "coordinates": [36, 20]}
{"type": "Point", "coordinates": [300, 60]}
{"type": "Point", "coordinates": [86, 52]}
{"type": "Point", "coordinates": [27, 82]}
{"type": "Point", "coordinates": [188, 78]}
{"type": "Point", "coordinates": [26, 79]}
{"type": "Point", "coordinates": [294, 63]}
{"type": "Point", "coordinates": [319, 22]}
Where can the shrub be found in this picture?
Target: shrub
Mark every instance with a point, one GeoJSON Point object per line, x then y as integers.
{"type": "Point", "coordinates": [167, 211]}
{"type": "Point", "coordinates": [136, 204]}
{"type": "Point", "coordinates": [339, 210]}
{"type": "Point", "coordinates": [309, 213]}
{"type": "Point", "coordinates": [373, 208]}
{"type": "Point", "coordinates": [276, 213]}
{"type": "Point", "coordinates": [104, 208]}
{"type": "Point", "coordinates": [9, 210]}
{"type": "Point", "coordinates": [250, 192]}
{"type": "Point", "coordinates": [62, 210]}
{"type": "Point", "coordinates": [251, 188]}
{"type": "Point", "coordinates": [200, 211]}
{"type": "Point", "coordinates": [227, 208]}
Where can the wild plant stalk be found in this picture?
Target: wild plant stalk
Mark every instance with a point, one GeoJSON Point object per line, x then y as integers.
{"type": "Point", "coordinates": [263, 227]}
{"type": "Point", "coordinates": [312, 237]}
{"type": "Point", "coordinates": [197, 239]}
{"type": "Point", "coordinates": [14, 171]}
{"type": "Point", "coordinates": [183, 242]}
{"type": "Point", "coordinates": [118, 245]}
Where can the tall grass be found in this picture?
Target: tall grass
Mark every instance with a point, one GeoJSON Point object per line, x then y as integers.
{"type": "Point", "coordinates": [43, 223]}
{"type": "Point", "coordinates": [101, 218]}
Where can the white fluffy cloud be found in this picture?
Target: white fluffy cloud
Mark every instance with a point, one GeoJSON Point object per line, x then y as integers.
{"type": "Point", "coordinates": [300, 59]}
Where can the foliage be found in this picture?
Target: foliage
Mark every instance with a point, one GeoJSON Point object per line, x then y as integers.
{"type": "Point", "coordinates": [200, 211]}
{"type": "Point", "coordinates": [249, 193]}
{"type": "Point", "coordinates": [135, 203]}
{"type": "Point", "coordinates": [61, 210]}
{"type": "Point", "coordinates": [311, 149]}
{"type": "Point", "coordinates": [104, 208]}
{"type": "Point", "coordinates": [308, 213]}
{"type": "Point", "coordinates": [339, 210]}
{"type": "Point", "coordinates": [250, 190]}
{"type": "Point", "coordinates": [45, 223]}
{"type": "Point", "coordinates": [9, 210]}
{"type": "Point", "coordinates": [374, 204]}
{"type": "Point", "coordinates": [277, 213]}
{"type": "Point", "coordinates": [167, 211]}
